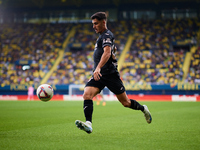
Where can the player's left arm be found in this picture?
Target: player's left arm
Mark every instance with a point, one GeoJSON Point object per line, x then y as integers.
{"type": "Point", "coordinates": [104, 58]}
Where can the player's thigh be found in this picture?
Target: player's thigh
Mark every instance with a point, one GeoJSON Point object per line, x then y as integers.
{"type": "Point", "coordinates": [114, 83]}
{"type": "Point", "coordinates": [90, 92]}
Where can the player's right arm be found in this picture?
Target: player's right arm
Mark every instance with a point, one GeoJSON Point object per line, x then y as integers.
{"type": "Point", "coordinates": [104, 58]}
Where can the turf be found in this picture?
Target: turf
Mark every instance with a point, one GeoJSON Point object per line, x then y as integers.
{"type": "Point", "coordinates": [50, 125]}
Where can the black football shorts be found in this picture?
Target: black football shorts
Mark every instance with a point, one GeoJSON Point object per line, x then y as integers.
{"type": "Point", "coordinates": [111, 81]}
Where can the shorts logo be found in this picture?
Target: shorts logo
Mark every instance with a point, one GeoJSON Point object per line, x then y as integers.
{"type": "Point", "coordinates": [90, 79]}
{"type": "Point", "coordinates": [85, 107]}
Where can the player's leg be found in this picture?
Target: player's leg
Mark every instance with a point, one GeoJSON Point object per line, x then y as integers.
{"type": "Point", "coordinates": [133, 104]}
{"type": "Point", "coordinates": [28, 98]}
{"type": "Point", "coordinates": [89, 93]}
{"type": "Point", "coordinates": [31, 97]}
{"type": "Point", "coordinates": [126, 102]}
{"type": "Point", "coordinates": [114, 83]}
{"type": "Point", "coordinates": [116, 86]}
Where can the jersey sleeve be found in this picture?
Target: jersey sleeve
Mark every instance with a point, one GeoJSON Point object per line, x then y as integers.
{"type": "Point", "coordinates": [107, 40]}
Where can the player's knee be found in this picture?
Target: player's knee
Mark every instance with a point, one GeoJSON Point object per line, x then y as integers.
{"type": "Point", "coordinates": [87, 96]}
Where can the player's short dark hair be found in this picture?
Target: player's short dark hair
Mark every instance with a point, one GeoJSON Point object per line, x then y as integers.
{"type": "Point", "coordinates": [99, 16]}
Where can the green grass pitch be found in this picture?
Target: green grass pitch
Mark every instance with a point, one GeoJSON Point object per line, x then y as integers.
{"type": "Point", "coordinates": [35, 125]}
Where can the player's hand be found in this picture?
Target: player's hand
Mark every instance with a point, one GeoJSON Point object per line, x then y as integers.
{"type": "Point", "coordinates": [97, 74]}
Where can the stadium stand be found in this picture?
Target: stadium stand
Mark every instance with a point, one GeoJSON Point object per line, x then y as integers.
{"type": "Point", "coordinates": [153, 66]}
{"type": "Point", "coordinates": [24, 47]}
{"type": "Point", "coordinates": [152, 58]}
{"type": "Point", "coordinates": [194, 70]}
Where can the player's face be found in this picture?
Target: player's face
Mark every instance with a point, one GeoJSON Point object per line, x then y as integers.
{"type": "Point", "coordinates": [98, 25]}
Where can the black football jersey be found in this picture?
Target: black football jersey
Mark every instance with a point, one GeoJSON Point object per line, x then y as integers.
{"type": "Point", "coordinates": [105, 39]}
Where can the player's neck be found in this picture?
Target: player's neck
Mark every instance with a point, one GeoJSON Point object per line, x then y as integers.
{"type": "Point", "coordinates": [104, 30]}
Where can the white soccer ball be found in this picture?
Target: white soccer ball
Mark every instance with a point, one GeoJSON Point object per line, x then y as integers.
{"type": "Point", "coordinates": [45, 92]}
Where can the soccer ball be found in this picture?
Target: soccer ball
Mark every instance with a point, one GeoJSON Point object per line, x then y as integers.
{"type": "Point", "coordinates": [45, 92]}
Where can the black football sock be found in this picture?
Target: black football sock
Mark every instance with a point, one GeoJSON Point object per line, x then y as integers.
{"type": "Point", "coordinates": [88, 109]}
{"type": "Point", "coordinates": [135, 105]}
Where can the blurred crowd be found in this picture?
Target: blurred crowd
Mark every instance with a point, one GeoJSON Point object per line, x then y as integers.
{"type": "Point", "coordinates": [153, 66]}
{"type": "Point", "coordinates": [28, 52]}
{"type": "Point", "coordinates": [193, 75]}
{"type": "Point", "coordinates": [153, 57]}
